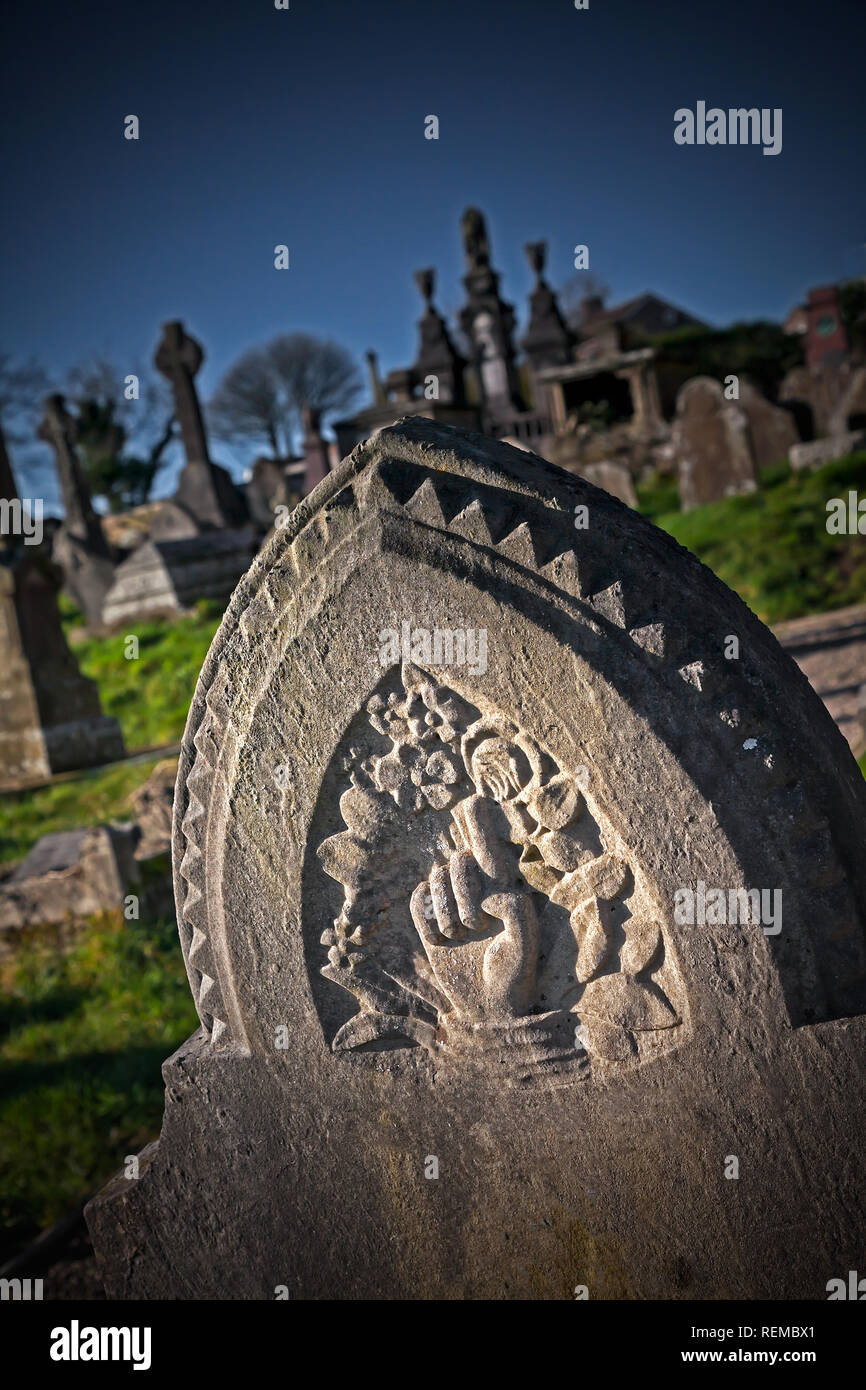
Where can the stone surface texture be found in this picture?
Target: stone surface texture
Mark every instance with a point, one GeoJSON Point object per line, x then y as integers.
{"type": "Point", "coordinates": [426, 906]}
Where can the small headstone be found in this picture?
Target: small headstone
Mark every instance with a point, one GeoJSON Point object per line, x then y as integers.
{"type": "Point", "coordinates": [710, 441]}
{"type": "Point", "coordinates": [614, 477]}
{"type": "Point", "coordinates": [451, 770]}
{"type": "Point", "coordinates": [69, 875]}
{"type": "Point", "coordinates": [153, 802]}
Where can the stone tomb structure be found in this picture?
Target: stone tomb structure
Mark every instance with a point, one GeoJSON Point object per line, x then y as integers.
{"type": "Point", "coordinates": [427, 905]}
{"type": "Point", "coordinates": [164, 578]}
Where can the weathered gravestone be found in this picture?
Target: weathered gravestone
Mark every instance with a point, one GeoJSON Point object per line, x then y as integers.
{"type": "Point", "coordinates": [772, 429]}
{"type": "Point", "coordinates": [710, 442]}
{"type": "Point", "coordinates": [69, 875]}
{"type": "Point", "coordinates": [450, 765]}
{"type": "Point", "coordinates": [51, 719]}
{"type": "Point", "coordinates": [80, 546]}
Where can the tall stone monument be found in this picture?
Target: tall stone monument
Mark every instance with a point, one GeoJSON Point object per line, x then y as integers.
{"type": "Point", "coordinates": [50, 716]}
{"type": "Point", "coordinates": [548, 341]}
{"type": "Point", "coordinates": [205, 491]}
{"type": "Point", "coordinates": [438, 362]}
{"type": "Point", "coordinates": [512, 909]}
{"type": "Point", "coordinates": [488, 324]}
{"type": "Point", "coordinates": [80, 546]}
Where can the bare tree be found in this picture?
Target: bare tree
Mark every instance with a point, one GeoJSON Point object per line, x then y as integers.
{"type": "Point", "coordinates": [250, 404]}
{"type": "Point", "coordinates": [23, 387]}
{"type": "Point", "coordinates": [261, 399]}
{"type": "Point", "coordinates": [582, 286]}
{"type": "Point", "coordinates": [318, 375]}
{"type": "Point", "coordinates": [122, 438]}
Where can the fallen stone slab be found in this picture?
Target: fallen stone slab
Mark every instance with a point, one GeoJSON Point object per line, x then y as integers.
{"type": "Point", "coordinates": [68, 876]}
{"type": "Point", "coordinates": [819, 452]}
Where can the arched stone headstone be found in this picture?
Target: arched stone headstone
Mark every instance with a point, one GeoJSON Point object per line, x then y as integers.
{"type": "Point", "coordinates": [465, 743]}
{"type": "Point", "coordinates": [711, 444]}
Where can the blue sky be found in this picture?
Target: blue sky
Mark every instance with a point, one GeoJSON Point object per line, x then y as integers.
{"type": "Point", "coordinates": [306, 127]}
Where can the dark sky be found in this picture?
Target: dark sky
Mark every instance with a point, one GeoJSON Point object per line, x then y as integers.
{"type": "Point", "coordinates": [261, 126]}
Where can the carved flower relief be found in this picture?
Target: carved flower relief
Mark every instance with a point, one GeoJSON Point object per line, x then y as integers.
{"type": "Point", "coordinates": [518, 926]}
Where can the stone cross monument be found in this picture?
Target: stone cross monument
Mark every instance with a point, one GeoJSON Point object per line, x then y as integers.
{"type": "Point", "coordinates": [511, 909]}
{"type": "Point", "coordinates": [204, 490]}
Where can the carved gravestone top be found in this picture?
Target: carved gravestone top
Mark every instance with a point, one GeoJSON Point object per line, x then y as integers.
{"type": "Point", "coordinates": [465, 742]}
{"type": "Point", "coordinates": [711, 444]}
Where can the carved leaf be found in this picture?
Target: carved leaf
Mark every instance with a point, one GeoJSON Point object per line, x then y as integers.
{"type": "Point", "coordinates": [642, 940]}
{"type": "Point", "coordinates": [594, 944]}
{"type": "Point", "coordinates": [606, 877]}
{"type": "Point", "coordinates": [627, 1003]}
{"type": "Point", "coordinates": [344, 858]}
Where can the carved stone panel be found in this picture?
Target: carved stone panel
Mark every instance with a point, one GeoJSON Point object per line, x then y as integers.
{"type": "Point", "coordinates": [488, 911]}
{"type": "Point", "coordinates": [466, 737]}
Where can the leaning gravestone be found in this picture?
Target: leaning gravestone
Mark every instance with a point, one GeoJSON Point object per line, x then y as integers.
{"type": "Point", "coordinates": [51, 719]}
{"type": "Point", "coordinates": [466, 741]}
{"type": "Point", "coordinates": [80, 546]}
{"type": "Point", "coordinates": [772, 429]}
{"type": "Point", "coordinates": [710, 442]}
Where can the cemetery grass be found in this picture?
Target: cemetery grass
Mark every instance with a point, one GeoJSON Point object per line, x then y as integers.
{"type": "Point", "coordinates": [82, 1039]}
{"type": "Point", "coordinates": [149, 694]}
{"type": "Point", "coordinates": [772, 546]}
{"type": "Point", "coordinates": [89, 799]}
